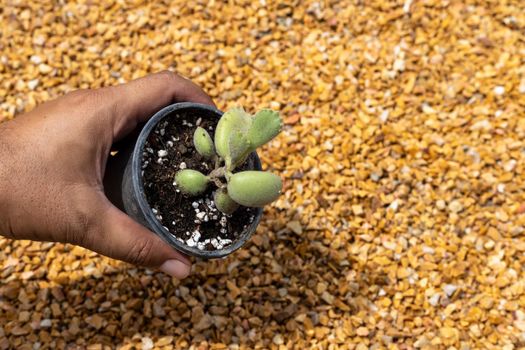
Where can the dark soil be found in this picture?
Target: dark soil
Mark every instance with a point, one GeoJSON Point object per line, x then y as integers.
{"type": "Point", "coordinates": [193, 220]}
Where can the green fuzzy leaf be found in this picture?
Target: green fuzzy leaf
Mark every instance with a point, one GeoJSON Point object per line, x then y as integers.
{"type": "Point", "coordinates": [223, 202]}
{"type": "Point", "coordinates": [266, 124]}
{"type": "Point", "coordinates": [238, 149]}
{"type": "Point", "coordinates": [191, 182]}
{"type": "Point", "coordinates": [232, 121]}
{"type": "Point", "coordinates": [203, 143]}
{"type": "Point", "coordinates": [254, 188]}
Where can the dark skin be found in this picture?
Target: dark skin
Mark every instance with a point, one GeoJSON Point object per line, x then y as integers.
{"type": "Point", "coordinates": [52, 165]}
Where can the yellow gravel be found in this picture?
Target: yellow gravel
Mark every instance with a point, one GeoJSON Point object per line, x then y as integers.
{"type": "Point", "coordinates": [402, 222]}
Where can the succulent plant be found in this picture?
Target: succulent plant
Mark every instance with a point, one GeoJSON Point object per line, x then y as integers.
{"type": "Point", "coordinates": [236, 136]}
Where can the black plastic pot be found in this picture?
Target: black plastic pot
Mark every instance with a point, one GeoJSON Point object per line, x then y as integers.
{"type": "Point", "coordinates": [125, 188]}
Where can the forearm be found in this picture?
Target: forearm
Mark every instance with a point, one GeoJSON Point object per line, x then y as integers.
{"type": "Point", "coordinates": [3, 188]}
{"type": "Point", "coordinates": [5, 163]}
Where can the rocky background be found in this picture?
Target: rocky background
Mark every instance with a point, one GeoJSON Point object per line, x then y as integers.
{"type": "Point", "coordinates": [402, 221]}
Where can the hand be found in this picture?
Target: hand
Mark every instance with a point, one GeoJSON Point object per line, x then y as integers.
{"type": "Point", "coordinates": [52, 164]}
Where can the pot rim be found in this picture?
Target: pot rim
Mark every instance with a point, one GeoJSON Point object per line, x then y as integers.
{"type": "Point", "coordinates": [138, 188]}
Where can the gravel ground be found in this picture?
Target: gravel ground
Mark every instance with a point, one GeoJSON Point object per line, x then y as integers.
{"type": "Point", "coordinates": [402, 221]}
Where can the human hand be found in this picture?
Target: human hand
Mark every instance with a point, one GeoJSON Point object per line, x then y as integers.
{"type": "Point", "coordinates": [52, 164]}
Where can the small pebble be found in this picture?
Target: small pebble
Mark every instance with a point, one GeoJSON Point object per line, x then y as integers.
{"type": "Point", "coordinates": [147, 343]}
{"type": "Point", "coordinates": [499, 90]}
{"type": "Point", "coordinates": [45, 323]}
{"type": "Point", "coordinates": [449, 289]}
{"type": "Point", "coordinates": [32, 84]}
{"type": "Point", "coordinates": [196, 236]}
{"type": "Point", "coordinates": [434, 300]}
{"type": "Point", "coordinates": [428, 250]}
{"type": "Point", "coordinates": [510, 165]}
{"type": "Point", "coordinates": [455, 206]}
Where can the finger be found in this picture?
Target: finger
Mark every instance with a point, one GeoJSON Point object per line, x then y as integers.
{"type": "Point", "coordinates": [138, 100]}
{"type": "Point", "coordinates": [120, 237]}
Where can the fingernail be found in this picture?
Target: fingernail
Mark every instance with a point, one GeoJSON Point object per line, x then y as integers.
{"type": "Point", "coordinates": [176, 268]}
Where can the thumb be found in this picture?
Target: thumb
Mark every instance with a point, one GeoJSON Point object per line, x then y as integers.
{"type": "Point", "coordinates": [120, 237]}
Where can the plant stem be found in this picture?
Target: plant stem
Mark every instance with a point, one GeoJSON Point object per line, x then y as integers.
{"type": "Point", "coordinates": [218, 182]}
{"type": "Point", "coordinates": [217, 173]}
